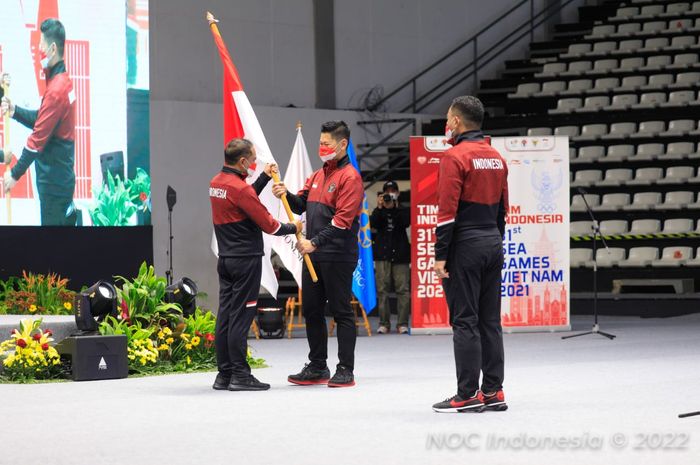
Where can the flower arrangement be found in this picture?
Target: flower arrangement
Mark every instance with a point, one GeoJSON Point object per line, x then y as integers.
{"type": "Point", "coordinates": [141, 349]}
{"type": "Point", "coordinates": [114, 206]}
{"type": "Point", "coordinates": [141, 299]}
{"type": "Point", "coordinates": [36, 294]}
{"type": "Point", "coordinates": [31, 355]}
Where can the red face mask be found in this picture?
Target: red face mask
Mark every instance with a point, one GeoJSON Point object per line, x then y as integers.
{"type": "Point", "coordinates": [326, 153]}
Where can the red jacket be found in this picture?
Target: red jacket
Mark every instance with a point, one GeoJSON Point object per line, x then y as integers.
{"type": "Point", "coordinates": [332, 198]}
{"type": "Point", "coordinates": [472, 192]}
{"type": "Point", "coordinates": [239, 216]}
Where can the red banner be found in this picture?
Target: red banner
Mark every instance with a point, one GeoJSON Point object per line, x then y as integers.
{"type": "Point", "coordinates": [428, 305]}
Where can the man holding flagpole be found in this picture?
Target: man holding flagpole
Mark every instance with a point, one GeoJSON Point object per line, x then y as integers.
{"type": "Point", "coordinates": [239, 220]}
{"type": "Point", "coordinates": [332, 199]}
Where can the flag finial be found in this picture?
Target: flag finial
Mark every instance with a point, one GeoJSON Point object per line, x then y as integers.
{"type": "Point", "coordinates": [211, 18]}
{"type": "Point", "coordinates": [299, 125]}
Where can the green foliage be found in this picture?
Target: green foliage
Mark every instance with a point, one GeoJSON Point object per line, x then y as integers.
{"type": "Point", "coordinates": [140, 190]}
{"type": "Point", "coordinates": [114, 204]}
{"type": "Point", "coordinates": [141, 299]}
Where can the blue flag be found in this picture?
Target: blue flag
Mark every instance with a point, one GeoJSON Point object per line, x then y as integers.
{"type": "Point", "coordinates": [363, 285]}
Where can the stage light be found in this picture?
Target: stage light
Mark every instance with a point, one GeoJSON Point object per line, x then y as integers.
{"type": "Point", "coordinates": [94, 304]}
{"type": "Point", "coordinates": [184, 293]}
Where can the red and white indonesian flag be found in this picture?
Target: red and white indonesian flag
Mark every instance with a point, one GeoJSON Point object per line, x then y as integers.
{"type": "Point", "coordinates": [240, 121]}
{"type": "Point", "coordinates": [298, 171]}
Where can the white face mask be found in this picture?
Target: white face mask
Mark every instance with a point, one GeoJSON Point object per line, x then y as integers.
{"type": "Point", "coordinates": [448, 132]}
{"type": "Point", "coordinates": [44, 60]}
{"type": "Point", "coordinates": [249, 169]}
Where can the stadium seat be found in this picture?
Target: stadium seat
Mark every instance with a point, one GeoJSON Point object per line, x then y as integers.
{"type": "Point", "coordinates": [602, 31]}
{"type": "Point", "coordinates": [625, 30]}
{"type": "Point", "coordinates": [679, 127]}
{"type": "Point", "coordinates": [646, 176]}
{"type": "Point", "coordinates": [603, 48]}
{"type": "Point", "coordinates": [646, 152]}
{"type": "Point", "coordinates": [595, 103]}
{"type": "Point", "coordinates": [571, 131]}
{"type": "Point", "coordinates": [552, 88]}
{"type": "Point", "coordinates": [616, 177]}
{"type": "Point", "coordinates": [644, 201]}
{"type": "Point", "coordinates": [645, 227]}
{"type": "Point", "coordinates": [654, 26]}
{"type": "Point", "coordinates": [649, 129]}
{"type": "Point", "coordinates": [680, 98]}
{"type": "Point", "coordinates": [673, 257]}
{"type": "Point", "coordinates": [626, 12]}
{"type": "Point", "coordinates": [577, 68]}
{"type": "Point", "coordinates": [640, 257]}
{"type": "Point", "coordinates": [685, 80]}
{"type": "Point", "coordinates": [657, 62]}
{"type": "Point", "coordinates": [684, 60]}
{"type": "Point", "coordinates": [694, 261]}
{"type": "Point", "coordinates": [604, 66]}
{"type": "Point", "coordinates": [651, 100]}
{"type": "Point", "coordinates": [620, 131]}
{"type": "Point", "coordinates": [676, 200]}
{"type": "Point", "coordinates": [605, 84]}
{"type": "Point", "coordinates": [655, 43]}
{"type": "Point", "coordinates": [617, 153]}
{"type": "Point", "coordinates": [682, 42]}
{"type": "Point", "coordinates": [526, 90]}
{"type": "Point", "coordinates": [566, 106]}
{"type": "Point", "coordinates": [678, 226]}
{"type": "Point", "coordinates": [658, 82]}
{"type": "Point", "coordinates": [622, 102]}
{"type": "Point", "coordinates": [613, 202]}
{"type": "Point", "coordinates": [631, 64]}
{"type": "Point", "coordinates": [577, 50]}
{"type": "Point", "coordinates": [677, 175]}
{"type": "Point", "coordinates": [591, 132]}
{"type": "Point", "coordinates": [585, 178]}
{"type": "Point", "coordinates": [590, 154]}
{"type": "Point", "coordinates": [580, 228]}
{"type": "Point", "coordinates": [613, 227]}
{"type": "Point", "coordinates": [677, 8]}
{"type": "Point", "coordinates": [539, 132]}
{"type": "Point", "coordinates": [628, 46]}
{"type": "Point", "coordinates": [552, 69]}
{"type": "Point", "coordinates": [580, 257]}
{"type": "Point", "coordinates": [678, 151]}
{"type": "Point", "coordinates": [650, 11]}
{"type": "Point", "coordinates": [607, 258]}
{"type": "Point", "coordinates": [630, 83]}
{"type": "Point", "coordinates": [577, 204]}
{"type": "Point", "coordinates": [578, 87]}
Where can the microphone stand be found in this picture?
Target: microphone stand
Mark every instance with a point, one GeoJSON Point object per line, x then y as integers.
{"type": "Point", "coordinates": [596, 233]}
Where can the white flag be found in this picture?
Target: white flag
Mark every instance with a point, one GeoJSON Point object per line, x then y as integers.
{"type": "Point", "coordinates": [298, 171]}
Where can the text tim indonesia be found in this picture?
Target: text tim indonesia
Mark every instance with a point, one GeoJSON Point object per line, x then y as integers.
{"type": "Point", "coordinates": [520, 268]}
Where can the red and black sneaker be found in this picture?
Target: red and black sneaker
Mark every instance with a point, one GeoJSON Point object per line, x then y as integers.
{"type": "Point", "coordinates": [495, 401]}
{"type": "Point", "coordinates": [343, 377]}
{"type": "Point", "coordinates": [458, 404]}
{"type": "Point", "coordinates": [310, 375]}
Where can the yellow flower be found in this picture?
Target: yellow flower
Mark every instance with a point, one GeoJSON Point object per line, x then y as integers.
{"type": "Point", "coordinates": [32, 308]}
{"type": "Point", "coordinates": [188, 346]}
{"type": "Point", "coordinates": [189, 360]}
{"type": "Point", "coordinates": [185, 337]}
{"type": "Point", "coordinates": [67, 305]}
{"type": "Point", "coordinates": [161, 334]}
{"type": "Point", "coordinates": [167, 331]}
{"type": "Point", "coordinates": [170, 340]}
{"type": "Point", "coordinates": [195, 341]}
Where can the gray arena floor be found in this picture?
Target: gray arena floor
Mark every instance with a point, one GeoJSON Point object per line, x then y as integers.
{"type": "Point", "coordinates": [582, 401]}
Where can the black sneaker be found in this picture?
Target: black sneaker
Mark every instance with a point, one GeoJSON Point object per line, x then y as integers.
{"type": "Point", "coordinates": [310, 375]}
{"type": "Point", "coordinates": [343, 377]}
{"type": "Point", "coordinates": [250, 383]}
{"type": "Point", "coordinates": [457, 404]}
{"type": "Point", "coordinates": [495, 401]}
{"type": "Point", "coordinates": [221, 382]}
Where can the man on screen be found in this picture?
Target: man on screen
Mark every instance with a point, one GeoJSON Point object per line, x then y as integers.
{"type": "Point", "coordinates": [52, 141]}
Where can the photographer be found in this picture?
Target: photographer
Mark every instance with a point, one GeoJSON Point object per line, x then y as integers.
{"type": "Point", "coordinates": [392, 254]}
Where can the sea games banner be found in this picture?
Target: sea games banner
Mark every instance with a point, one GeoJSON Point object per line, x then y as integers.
{"type": "Point", "coordinates": [535, 290]}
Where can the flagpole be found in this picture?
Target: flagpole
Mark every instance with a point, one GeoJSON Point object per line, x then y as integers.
{"type": "Point", "coordinates": [6, 91]}
{"type": "Point", "coordinates": [290, 214]}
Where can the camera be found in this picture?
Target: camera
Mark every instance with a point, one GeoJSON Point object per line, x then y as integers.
{"type": "Point", "coordinates": [387, 198]}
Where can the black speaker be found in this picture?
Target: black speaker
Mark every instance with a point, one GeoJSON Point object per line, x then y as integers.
{"type": "Point", "coordinates": [271, 323]}
{"type": "Point", "coordinates": [95, 357]}
{"type": "Point", "coordinates": [112, 162]}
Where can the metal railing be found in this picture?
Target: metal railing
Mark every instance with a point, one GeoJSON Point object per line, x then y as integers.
{"type": "Point", "coordinates": [479, 58]}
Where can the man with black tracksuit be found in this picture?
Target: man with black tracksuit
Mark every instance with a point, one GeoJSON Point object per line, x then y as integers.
{"type": "Point", "coordinates": [332, 198]}
{"type": "Point", "coordinates": [472, 206]}
{"type": "Point", "coordinates": [239, 219]}
{"type": "Point", "coordinates": [52, 142]}
{"type": "Point", "coordinates": [392, 254]}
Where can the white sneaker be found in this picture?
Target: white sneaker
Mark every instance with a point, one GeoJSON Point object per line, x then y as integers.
{"type": "Point", "coordinates": [383, 330]}
{"type": "Point", "coordinates": [403, 329]}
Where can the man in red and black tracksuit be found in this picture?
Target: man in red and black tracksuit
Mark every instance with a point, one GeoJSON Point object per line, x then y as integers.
{"type": "Point", "coordinates": [239, 221]}
{"type": "Point", "coordinates": [332, 199]}
{"type": "Point", "coordinates": [52, 142]}
{"type": "Point", "coordinates": [472, 206]}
